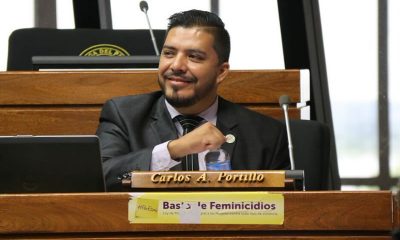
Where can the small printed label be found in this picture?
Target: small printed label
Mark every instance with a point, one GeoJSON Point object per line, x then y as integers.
{"type": "Point", "coordinates": [207, 208]}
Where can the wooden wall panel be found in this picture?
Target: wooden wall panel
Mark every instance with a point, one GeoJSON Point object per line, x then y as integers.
{"type": "Point", "coordinates": [33, 88]}
{"type": "Point", "coordinates": [49, 121]}
{"type": "Point", "coordinates": [70, 121]}
{"type": "Point", "coordinates": [48, 103]}
{"type": "Point", "coordinates": [261, 86]}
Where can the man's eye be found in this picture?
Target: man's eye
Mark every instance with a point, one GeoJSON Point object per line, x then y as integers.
{"type": "Point", "coordinates": [167, 53]}
{"type": "Point", "coordinates": [196, 57]}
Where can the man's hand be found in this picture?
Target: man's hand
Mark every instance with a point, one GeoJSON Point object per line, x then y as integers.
{"type": "Point", "coordinates": [205, 137]}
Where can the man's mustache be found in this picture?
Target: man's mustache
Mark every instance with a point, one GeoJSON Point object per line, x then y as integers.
{"type": "Point", "coordinates": [180, 75]}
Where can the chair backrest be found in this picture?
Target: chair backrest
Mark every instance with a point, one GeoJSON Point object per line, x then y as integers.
{"type": "Point", "coordinates": [311, 150]}
{"type": "Point", "coordinates": [29, 42]}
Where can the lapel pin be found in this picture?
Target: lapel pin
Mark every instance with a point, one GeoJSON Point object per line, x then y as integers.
{"type": "Point", "coordinates": [230, 138]}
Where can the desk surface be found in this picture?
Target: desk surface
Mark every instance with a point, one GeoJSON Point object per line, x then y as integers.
{"type": "Point", "coordinates": [311, 215]}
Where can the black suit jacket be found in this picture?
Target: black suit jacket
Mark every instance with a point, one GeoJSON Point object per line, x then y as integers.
{"type": "Point", "coordinates": [131, 126]}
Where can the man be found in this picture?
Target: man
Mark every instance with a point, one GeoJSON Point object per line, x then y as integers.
{"type": "Point", "coordinates": [141, 132]}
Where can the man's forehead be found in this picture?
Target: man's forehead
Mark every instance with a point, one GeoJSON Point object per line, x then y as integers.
{"type": "Point", "coordinates": [191, 39]}
{"type": "Point", "coordinates": [194, 31]}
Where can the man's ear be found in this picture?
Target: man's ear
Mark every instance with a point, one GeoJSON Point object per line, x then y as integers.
{"type": "Point", "coordinates": [223, 72]}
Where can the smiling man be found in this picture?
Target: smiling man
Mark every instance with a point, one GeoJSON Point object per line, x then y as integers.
{"type": "Point", "coordinates": [175, 128]}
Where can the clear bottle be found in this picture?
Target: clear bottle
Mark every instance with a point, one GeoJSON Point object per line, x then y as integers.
{"type": "Point", "coordinates": [218, 160]}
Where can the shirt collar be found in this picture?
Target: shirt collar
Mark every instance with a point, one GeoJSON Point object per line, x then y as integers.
{"type": "Point", "coordinates": [210, 114]}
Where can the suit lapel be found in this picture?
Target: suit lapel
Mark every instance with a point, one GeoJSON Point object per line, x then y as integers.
{"type": "Point", "coordinates": [163, 127]}
{"type": "Point", "coordinates": [162, 124]}
{"type": "Point", "coordinates": [226, 123]}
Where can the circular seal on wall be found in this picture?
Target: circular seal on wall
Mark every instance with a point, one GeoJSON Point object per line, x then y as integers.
{"type": "Point", "coordinates": [104, 50]}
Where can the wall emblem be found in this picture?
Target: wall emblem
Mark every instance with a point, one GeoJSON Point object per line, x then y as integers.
{"type": "Point", "coordinates": [104, 50]}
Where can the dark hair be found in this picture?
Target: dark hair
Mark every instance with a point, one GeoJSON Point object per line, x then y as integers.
{"type": "Point", "coordinates": [211, 23]}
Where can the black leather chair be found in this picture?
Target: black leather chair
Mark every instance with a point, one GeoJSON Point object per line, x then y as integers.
{"type": "Point", "coordinates": [311, 151]}
{"type": "Point", "coordinates": [26, 43]}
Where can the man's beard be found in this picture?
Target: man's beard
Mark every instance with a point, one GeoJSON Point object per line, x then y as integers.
{"type": "Point", "coordinates": [178, 101]}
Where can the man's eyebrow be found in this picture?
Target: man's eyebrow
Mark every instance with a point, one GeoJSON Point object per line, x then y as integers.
{"type": "Point", "coordinates": [169, 47]}
{"type": "Point", "coordinates": [197, 51]}
{"type": "Point", "coordinates": [191, 50]}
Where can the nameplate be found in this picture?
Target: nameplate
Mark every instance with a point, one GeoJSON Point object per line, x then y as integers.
{"type": "Point", "coordinates": [208, 179]}
{"type": "Point", "coordinates": [206, 208]}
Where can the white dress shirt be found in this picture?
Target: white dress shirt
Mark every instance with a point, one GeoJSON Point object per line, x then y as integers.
{"type": "Point", "coordinates": [161, 159]}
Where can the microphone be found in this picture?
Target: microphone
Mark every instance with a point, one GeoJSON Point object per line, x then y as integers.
{"type": "Point", "coordinates": [144, 7]}
{"type": "Point", "coordinates": [284, 102]}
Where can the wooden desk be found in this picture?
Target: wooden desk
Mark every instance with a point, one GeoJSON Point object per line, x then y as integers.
{"type": "Point", "coordinates": [47, 103]}
{"type": "Point", "coordinates": [308, 215]}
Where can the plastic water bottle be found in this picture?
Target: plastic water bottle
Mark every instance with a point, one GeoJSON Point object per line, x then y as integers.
{"type": "Point", "coordinates": [218, 160]}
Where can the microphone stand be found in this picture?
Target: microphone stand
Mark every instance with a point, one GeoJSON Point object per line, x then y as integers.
{"type": "Point", "coordinates": [284, 102]}
{"type": "Point", "coordinates": [144, 7]}
{"type": "Point", "coordinates": [290, 144]}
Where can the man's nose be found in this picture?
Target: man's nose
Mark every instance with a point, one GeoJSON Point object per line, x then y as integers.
{"type": "Point", "coordinates": [179, 63]}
